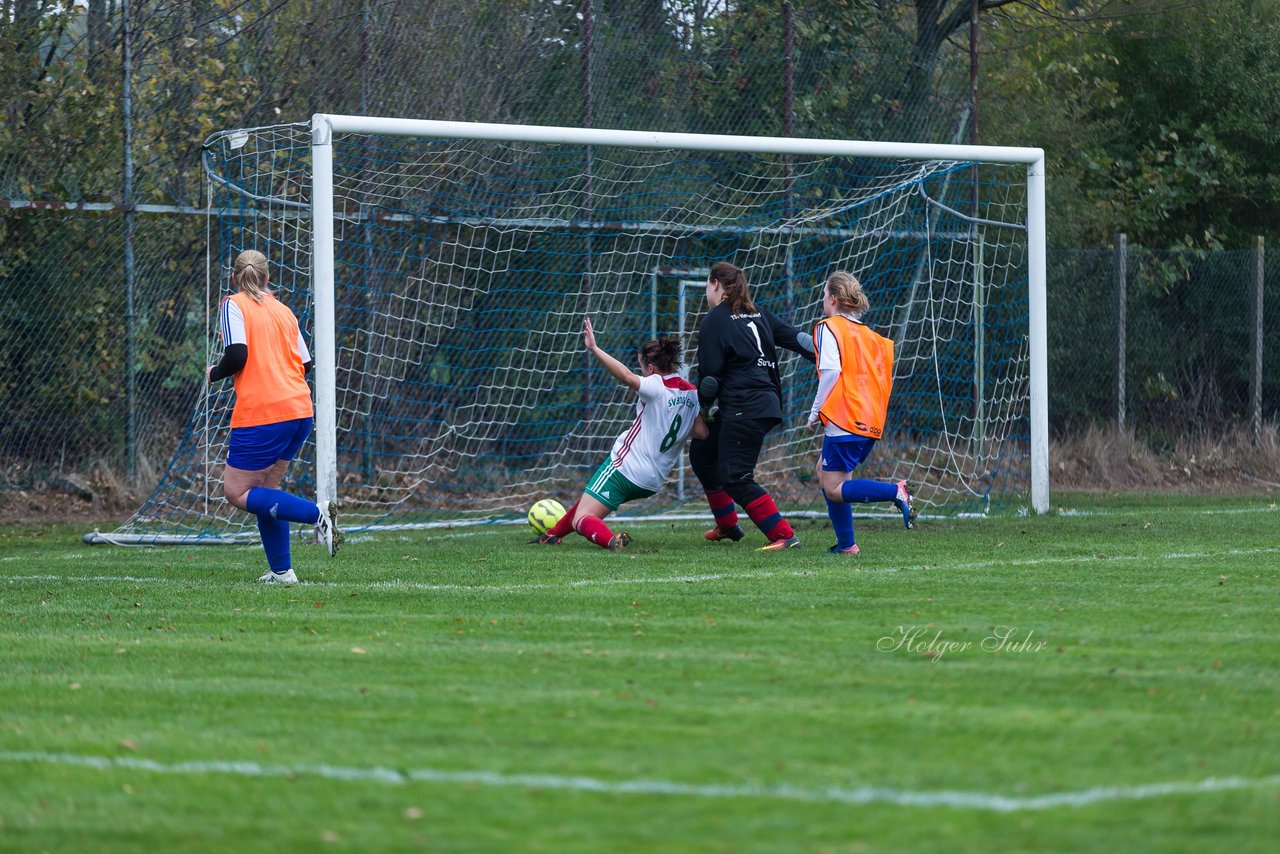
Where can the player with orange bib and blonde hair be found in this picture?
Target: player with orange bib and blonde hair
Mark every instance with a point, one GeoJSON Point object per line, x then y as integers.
{"type": "Point", "coordinates": [855, 378]}
{"type": "Point", "coordinates": [263, 350]}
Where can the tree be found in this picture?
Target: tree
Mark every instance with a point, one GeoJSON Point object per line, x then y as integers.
{"type": "Point", "coordinates": [1157, 122]}
{"type": "Point", "coordinates": [1197, 87]}
{"type": "Point", "coordinates": [935, 22]}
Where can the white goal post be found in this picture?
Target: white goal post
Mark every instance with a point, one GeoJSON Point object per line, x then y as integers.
{"type": "Point", "coordinates": [325, 126]}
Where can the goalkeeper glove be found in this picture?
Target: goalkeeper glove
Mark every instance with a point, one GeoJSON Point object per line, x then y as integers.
{"type": "Point", "coordinates": [708, 388]}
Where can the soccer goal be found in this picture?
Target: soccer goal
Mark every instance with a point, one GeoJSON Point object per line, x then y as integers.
{"type": "Point", "coordinates": [441, 271]}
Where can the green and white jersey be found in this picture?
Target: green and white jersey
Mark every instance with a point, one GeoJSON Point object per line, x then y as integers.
{"type": "Point", "coordinates": [647, 452]}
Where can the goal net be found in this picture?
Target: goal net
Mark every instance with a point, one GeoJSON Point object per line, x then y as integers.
{"type": "Point", "coordinates": [441, 272]}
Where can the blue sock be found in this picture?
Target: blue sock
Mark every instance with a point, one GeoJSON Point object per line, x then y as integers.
{"type": "Point", "coordinates": [275, 542]}
{"type": "Point", "coordinates": [864, 491]}
{"type": "Point", "coordinates": [841, 516]}
{"type": "Point", "coordinates": [279, 504]}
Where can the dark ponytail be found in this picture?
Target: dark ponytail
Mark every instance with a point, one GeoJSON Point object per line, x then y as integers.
{"type": "Point", "coordinates": [734, 283]}
{"type": "Point", "coordinates": [664, 354]}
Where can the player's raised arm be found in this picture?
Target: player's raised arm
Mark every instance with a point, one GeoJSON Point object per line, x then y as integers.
{"type": "Point", "coordinates": [616, 369]}
{"type": "Point", "coordinates": [789, 337]}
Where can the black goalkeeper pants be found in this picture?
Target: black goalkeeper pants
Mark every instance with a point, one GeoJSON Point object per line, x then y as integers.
{"type": "Point", "coordinates": [727, 458]}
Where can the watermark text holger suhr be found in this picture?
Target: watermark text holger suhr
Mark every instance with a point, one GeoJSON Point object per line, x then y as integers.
{"type": "Point", "coordinates": [931, 643]}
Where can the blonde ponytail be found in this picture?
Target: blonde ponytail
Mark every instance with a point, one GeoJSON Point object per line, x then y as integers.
{"type": "Point", "coordinates": [250, 274]}
{"type": "Point", "coordinates": [847, 292]}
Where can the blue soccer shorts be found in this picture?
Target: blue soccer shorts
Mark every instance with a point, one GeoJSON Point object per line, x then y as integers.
{"type": "Point", "coordinates": [845, 453]}
{"type": "Point", "coordinates": [260, 447]}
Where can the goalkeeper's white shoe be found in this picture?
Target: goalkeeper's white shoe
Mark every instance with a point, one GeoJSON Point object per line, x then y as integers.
{"type": "Point", "coordinates": [327, 527]}
{"type": "Point", "coordinates": [286, 577]}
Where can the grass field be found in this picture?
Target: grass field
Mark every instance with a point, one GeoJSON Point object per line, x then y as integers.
{"type": "Point", "coordinates": [458, 690]}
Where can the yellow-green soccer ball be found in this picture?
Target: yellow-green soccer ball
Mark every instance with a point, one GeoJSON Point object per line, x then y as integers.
{"type": "Point", "coordinates": [544, 515]}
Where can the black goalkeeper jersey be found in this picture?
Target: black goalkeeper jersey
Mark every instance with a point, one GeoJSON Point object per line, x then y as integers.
{"type": "Point", "coordinates": [740, 351]}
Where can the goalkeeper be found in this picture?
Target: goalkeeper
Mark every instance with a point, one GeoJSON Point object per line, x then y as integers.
{"type": "Point", "coordinates": [264, 351]}
{"type": "Point", "coordinates": [738, 367]}
{"type": "Point", "coordinates": [855, 377]}
{"type": "Point", "coordinates": [643, 456]}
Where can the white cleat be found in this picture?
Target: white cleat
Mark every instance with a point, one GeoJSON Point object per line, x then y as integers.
{"type": "Point", "coordinates": [286, 577]}
{"type": "Point", "coordinates": [327, 531]}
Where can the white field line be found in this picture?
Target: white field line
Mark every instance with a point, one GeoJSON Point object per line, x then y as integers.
{"type": "Point", "coordinates": [446, 534]}
{"type": "Point", "coordinates": [411, 585]}
{"type": "Point", "coordinates": [986, 801]}
{"type": "Point", "coordinates": [397, 584]}
{"type": "Point", "coordinates": [378, 532]}
{"type": "Point", "coordinates": [1164, 511]}
{"type": "Point", "coordinates": [1096, 558]}
{"type": "Point", "coordinates": [99, 554]}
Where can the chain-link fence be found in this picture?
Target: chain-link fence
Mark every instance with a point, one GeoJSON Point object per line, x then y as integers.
{"type": "Point", "coordinates": [1189, 364]}
{"type": "Point", "coordinates": [73, 75]}
{"type": "Point", "coordinates": [65, 341]}
{"type": "Point", "coordinates": [1168, 343]}
{"type": "Point", "coordinates": [103, 307]}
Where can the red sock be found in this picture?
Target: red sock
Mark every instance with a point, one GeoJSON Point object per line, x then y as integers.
{"type": "Point", "coordinates": [595, 530]}
{"type": "Point", "coordinates": [769, 519]}
{"type": "Point", "coordinates": [565, 525]}
{"type": "Point", "coordinates": [722, 508]}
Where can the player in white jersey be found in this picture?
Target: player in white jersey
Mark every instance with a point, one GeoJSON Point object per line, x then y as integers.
{"type": "Point", "coordinates": [643, 456]}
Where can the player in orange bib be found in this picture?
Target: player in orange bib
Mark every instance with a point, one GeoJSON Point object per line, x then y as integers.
{"type": "Point", "coordinates": [264, 351]}
{"type": "Point", "coordinates": [855, 377]}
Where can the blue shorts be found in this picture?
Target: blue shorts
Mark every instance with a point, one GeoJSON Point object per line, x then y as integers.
{"type": "Point", "coordinates": [845, 453]}
{"type": "Point", "coordinates": [258, 448]}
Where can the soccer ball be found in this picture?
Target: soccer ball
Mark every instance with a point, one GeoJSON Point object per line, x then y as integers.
{"type": "Point", "coordinates": [544, 515]}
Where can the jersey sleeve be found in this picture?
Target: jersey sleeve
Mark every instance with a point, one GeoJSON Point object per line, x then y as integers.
{"type": "Point", "coordinates": [786, 336]}
{"type": "Point", "coordinates": [710, 346]}
{"type": "Point", "coordinates": [651, 388]}
{"type": "Point", "coordinates": [302, 349]}
{"type": "Point", "coordinates": [828, 354]}
{"type": "Point", "coordinates": [828, 348]}
{"type": "Point", "coordinates": [232, 323]}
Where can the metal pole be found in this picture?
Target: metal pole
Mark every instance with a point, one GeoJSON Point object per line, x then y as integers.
{"type": "Point", "coordinates": [681, 329]}
{"type": "Point", "coordinates": [979, 289]}
{"type": "Point", "coordinates": [651, 140]}
{"type": "Point", "coordinates": [586, 63]}
{"type": "Point", "coordinates": [788, 71]}
{"type": "Point", "coordinates": [587, 119]}
{"type": "Point", "coordinates": [1039, 336]}
{"type": "Point", "coordinates": [1122, 323]}
{"type": "Point", "coordinates": [207, 479]}
{"type": "Point", "coordinates": [130, 271]}
{"type": "Point", "coordinates": [367, 214]}
{"type": "Point", "coordinates": [322, 289]}
{"type": "Point", "coordinates": [979, 347]}
{"type": "Point", "coordinates": [788, 130]}
{"type": "Point", "coordinates": [973, 100]}
{"type": "Point", "coordinates": [973, 72]}
{"type": "Point", "coordinates": [1255, 386]}
{"type": "Point", "coordinates": [653, 305]}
